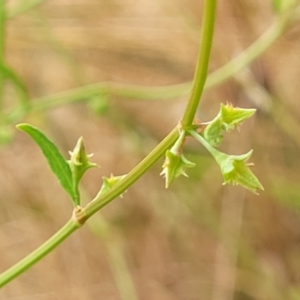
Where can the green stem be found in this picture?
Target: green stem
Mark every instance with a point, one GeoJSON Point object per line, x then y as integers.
{"type": "Point", "coordinates": [202, 63]}
{"type": "Point", "coordinates": [111, 89]}
{"type": "Point", "coordinates": [39, 253]}
{"type": "Point", "coordinates": [11, 75]}
{"type": "Point", "coordinates": [214, 152]}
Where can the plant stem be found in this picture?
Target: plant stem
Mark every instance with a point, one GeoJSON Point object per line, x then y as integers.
{"type": "Point", "coordinates": [39, 253]}
{"type": "Point", "coordinates": [111, 89]}
{"type": "Point", "coordinates": [202, 63]}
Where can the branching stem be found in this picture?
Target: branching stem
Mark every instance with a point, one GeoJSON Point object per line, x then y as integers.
{"type": "Point", "coordinates": [207, 31]}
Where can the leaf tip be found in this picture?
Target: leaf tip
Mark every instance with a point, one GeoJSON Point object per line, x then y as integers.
{"type": "Point", "coordinates": [21, 126]}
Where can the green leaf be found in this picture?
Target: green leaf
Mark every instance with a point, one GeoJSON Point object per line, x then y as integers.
{"type": "Point", "coordinates": [56, 161]}
{"type": "Point", "coordinates": [79, 164]}
{"type": "Point", "coordinates": [228, 118]}
{"type": "Point", "coordinates": [175, 164]}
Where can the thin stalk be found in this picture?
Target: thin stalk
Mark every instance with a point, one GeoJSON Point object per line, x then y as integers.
{"type": "Point", "coordinates": [111, 89]}
{"type": "Point", "coordinates": [207, 33]}
{"type": "Point", "coordinates": [39, 253]}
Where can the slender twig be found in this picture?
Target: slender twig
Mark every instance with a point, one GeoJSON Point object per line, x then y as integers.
{"type": "Point", "coordinates": [202, 63]}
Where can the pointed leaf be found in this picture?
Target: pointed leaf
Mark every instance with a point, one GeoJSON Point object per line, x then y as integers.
{"type": "Point", "coordinates": [56, 161]}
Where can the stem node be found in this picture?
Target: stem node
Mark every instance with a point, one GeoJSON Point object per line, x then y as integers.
{"type": "Point", "coordinates": [78, 216]}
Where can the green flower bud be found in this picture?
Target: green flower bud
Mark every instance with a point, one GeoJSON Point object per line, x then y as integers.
{"type": "Point", "coordinates": [175, 164]}
{"type": "Point", "coordinates": [228, 118]}
{"type": "Point", "coordinates": [234, 168]}
{"type": "Point", "coordinates": [109, 183]}
{"type": "Point", "coordinates": [79, 164]}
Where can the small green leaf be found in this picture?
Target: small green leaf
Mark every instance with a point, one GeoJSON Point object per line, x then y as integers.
{"type": "Point", "coordinates": [79, 164]}
{"type": "Point", "coordinates": [56, 161]}
{"type": "Point", "coordinates": [228, 118]}
{"type": "Point", "coordinates": [175, 164]}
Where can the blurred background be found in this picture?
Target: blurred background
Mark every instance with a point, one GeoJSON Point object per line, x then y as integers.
{"type": "Point", "coordinates": [92, 69]}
